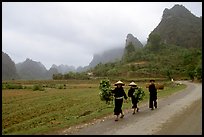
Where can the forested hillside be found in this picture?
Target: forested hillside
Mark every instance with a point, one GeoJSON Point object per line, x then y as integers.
{"type": "Point", "coordinates": [173, 50]}
{"type": "Point", "coordinates": [168, 62]}
{"type": "Point", "coordinates": [8, 68]}
{"type": "Point", "coordinates": [180, 27]}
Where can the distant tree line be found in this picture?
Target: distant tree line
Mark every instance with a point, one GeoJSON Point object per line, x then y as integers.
{"type": "Point", "coordinates": [71, 75]}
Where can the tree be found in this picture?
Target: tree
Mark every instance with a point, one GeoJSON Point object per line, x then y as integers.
{"type": "Point", "coordinates": [105, 91]}
{"type": "Point", "coordinates": [191, 72]}
{"type": "Point", "coordinates": [130, 48]}
{"type": "Point", "coordinates": [58, 76]}
{"type": "Point", "coordinates": [198, 72]}
{"type": "Point", "coordinates": [129, 52]}
{"type": "Point", "coordinates": [155, 41]}
{"type": "Point", "coordinates": [169, 74]}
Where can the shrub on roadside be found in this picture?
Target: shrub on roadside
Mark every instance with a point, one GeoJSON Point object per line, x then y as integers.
{"type": "Point", "coordinates": [12, 86]}
{"type": "Point", "coordinates": [38, 87]}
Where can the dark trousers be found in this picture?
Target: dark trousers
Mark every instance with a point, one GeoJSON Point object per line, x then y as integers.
{"type": "Point", "coordinates": [153, 101]}
{"type": "Point", "coordinates": [118, 106]}
{"type": "Point", "coordinates": [134, 102]}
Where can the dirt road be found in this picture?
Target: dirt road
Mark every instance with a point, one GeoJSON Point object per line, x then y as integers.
{"type": "Point", "coordinates": [178, 114]}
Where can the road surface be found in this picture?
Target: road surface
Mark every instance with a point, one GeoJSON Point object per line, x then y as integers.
{"type": "Point", "coordinates": [178, 114]}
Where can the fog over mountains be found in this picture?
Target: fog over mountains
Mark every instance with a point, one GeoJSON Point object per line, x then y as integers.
{"type": "Point", "coordinates": [115, 54]}
{"type": "Point", "coordinates": [30, 69]}
{"type": "Point", "coordinates": [178, 26]}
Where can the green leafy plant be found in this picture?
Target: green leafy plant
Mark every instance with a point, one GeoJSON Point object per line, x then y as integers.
{"type": "Point", "coordinates": [38, 87]}
{"type": "Point", "coordinates": [11, 86]}
{"type": "Point", "coordinates": [105, 91]}
{"type": "Point", "coordinates": [139, 94]}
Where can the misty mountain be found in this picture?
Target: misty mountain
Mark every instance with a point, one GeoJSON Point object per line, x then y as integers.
{"type": "Point", "coordinates": [64, 68]}
{"type": "Point", "coordinates": [111, 55]}
{"type": "Point", "coordinates": [180, 27]}
{"type": "Point", "coordinates": [130, 39]}
{"type": "Point", "coordinates": [32, 70]}
{"type": "Point", "coordinates": [132, 44]}
{"type": "Point", "coordinates": [8, 68]}
{"type": "Point", "coordinates": [173, 50]}
{"type": "Point", "coordinates": [52, 71]}
{"type": "Point", "coordinates": [115, 54]}
{"type": "Point", "coordinates": [82, 69]}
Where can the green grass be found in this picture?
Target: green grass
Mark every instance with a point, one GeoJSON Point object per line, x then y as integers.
{"type": "Point", "coordinates": [27, 112]}
{"type": "Point", "coordinates": [169, 89]}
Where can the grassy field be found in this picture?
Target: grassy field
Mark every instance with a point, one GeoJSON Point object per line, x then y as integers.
{"type": "Point", "coordinates": [29, 112]}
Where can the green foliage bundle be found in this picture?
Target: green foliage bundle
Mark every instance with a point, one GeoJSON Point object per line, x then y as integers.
{"type": "Point", "coordinates": [139, 93]}
{"type": "Point", "coordinates": [105, 91]}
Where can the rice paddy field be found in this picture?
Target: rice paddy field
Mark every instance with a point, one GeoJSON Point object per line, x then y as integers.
{"type": "Point", "coordinates": [40, 107]}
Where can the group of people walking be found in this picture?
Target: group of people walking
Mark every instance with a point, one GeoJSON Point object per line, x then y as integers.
{"type": "Point", "coordinates": [120, 95]}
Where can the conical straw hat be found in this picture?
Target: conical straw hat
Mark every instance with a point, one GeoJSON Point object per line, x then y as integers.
{"type": "Point", "coordinates": [119, 82]}
{"type": "Point", "coordinates": [132, 84]}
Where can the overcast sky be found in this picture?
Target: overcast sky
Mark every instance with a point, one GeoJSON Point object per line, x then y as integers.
{"type": "Point", "coordinates": [70, 33]}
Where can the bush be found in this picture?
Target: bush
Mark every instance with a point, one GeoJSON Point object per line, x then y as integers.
{"type": "Point", "coordinates": [38, 87]}
{"type": "Point", "coordinates": [62, 86]}
{"type": "Point", "coordinates": [105, 91]}
{"type": "Point", "coordinates": [12, 86]}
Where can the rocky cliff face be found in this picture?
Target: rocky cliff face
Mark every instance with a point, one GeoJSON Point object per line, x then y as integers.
{"type": "Point", "coordinates": [130, 39]}
{"type": "Point", "coordinates": [180, 27]}
{"type": "Point", "coordinates": [8, 68]}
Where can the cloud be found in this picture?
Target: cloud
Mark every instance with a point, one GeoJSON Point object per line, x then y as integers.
{"type": "Point", "coordinates": [71, 32]}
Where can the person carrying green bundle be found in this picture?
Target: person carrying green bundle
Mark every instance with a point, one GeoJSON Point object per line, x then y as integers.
{"type": "Point", "coordinates": [136, 94]}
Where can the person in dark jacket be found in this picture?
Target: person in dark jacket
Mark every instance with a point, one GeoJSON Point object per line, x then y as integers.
{"type": "Point", "coordinates": [134, 100]}
{"type": "Point", "coordinates": [153, 95]}
{"type": "Point", "coordinates": [119, 94]}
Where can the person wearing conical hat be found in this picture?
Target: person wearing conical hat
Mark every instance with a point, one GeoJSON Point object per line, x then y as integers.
{"type": "Point", "coordinates": [119, 94]}
{"type": "Point", "coordinates": [134, 100]}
